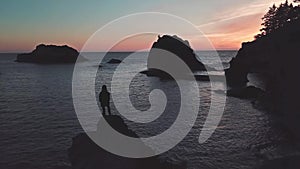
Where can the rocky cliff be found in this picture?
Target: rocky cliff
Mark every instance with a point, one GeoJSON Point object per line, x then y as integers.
{"type": "Point", "coordinates": [277, 56]}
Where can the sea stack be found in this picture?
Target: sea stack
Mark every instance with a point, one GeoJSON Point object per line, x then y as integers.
{"type": "Point", "coordinates": [179, 47]}
{"type": "Point", "coordinates": [48, 54]}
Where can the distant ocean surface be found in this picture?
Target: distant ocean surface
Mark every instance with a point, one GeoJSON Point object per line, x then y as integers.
{"type": "Point", "coordinates": [38, 121]}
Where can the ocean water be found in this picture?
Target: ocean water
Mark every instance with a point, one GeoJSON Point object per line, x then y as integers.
{"type": "Point", "coordinates": [38, 120]}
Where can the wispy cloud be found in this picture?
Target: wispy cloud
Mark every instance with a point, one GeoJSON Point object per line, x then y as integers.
{"type": "Point", "coordinates": [228, 29]}
{"type": "Point", "coordinates": [256, 7]}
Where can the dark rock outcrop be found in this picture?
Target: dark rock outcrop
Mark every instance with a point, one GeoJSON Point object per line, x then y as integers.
{"type": "Point", "coordinates": [249, 92]}
{"type": "Point", "coordinates": [114, 61]}
{"type": "Point", "coordinates": [179, 47]}
{"type": "Point", "coordinates": [269, 55]}
{"type": "Point", "coordinates": [275, 55]}
{"type": "Point", "coordinates": [85, 154]}
{"type": "Point", "coordinates": [48, 54]}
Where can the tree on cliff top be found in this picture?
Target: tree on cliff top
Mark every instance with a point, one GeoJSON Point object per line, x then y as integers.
{"type": "Point", "coordinates": [278, 17]}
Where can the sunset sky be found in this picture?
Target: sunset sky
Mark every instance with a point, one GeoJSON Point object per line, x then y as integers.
{"type": "Point", "coordinates": [24, 24]}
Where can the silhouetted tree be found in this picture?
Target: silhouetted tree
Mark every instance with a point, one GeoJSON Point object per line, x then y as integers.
{"type": "Point", "coordinates": [269, 21]}
{"type": "Point", "coordinates": [278, 17]}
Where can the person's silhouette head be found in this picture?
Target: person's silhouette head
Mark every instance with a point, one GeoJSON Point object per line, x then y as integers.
{"type": "Point", "coordinates": [104, 88]}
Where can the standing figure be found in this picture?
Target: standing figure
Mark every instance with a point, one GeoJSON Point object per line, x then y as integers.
{"type": "Point", "coordinates": [104, 97]}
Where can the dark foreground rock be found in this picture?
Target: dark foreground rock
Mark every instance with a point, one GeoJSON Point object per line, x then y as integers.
{"type": "Point", "coordinates": [85, 154]}
{"type": "Point", "coordinates": [48, 54]}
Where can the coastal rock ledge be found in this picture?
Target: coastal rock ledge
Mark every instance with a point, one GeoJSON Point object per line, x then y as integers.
{"type": "Point", "coordinates": [48, 54]}
{"type": "Point", "coordinates": [85, 154]}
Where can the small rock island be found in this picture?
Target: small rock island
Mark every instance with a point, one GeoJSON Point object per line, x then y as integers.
{"type": "Point", "coordinates": [114, 61]}
{"type": "Point", "coordinates": [49, 54]}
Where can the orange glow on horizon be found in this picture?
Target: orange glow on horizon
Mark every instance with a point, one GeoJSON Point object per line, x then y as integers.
{"type": "Point", "coordinates": [227, 28]}
{"type": "Point", "coordinates": [224, 35]}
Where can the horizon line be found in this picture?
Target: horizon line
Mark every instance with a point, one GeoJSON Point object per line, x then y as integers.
{"type": "Point", "coordinates": [121, 51]}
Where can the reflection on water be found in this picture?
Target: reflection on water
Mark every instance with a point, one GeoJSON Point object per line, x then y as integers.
{"type": "Point", "coordinates": [38, 119]}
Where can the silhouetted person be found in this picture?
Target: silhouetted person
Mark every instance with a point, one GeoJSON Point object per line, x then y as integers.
{"type": "Point", "coordinates": [104, 97]}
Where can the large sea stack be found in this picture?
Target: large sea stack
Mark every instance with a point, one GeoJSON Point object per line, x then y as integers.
{"type": "Point", "coordinates": [177, 46]}
{"type": "Point", "coordinates": [48, 54]}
